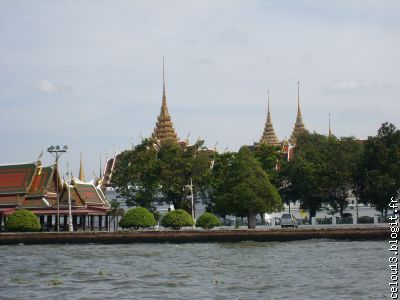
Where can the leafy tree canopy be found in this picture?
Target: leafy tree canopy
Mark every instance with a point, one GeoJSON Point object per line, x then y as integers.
{"type": "Point", "coordinates": [246, 190]}
{"type": "Point", "coordinates": [380, 168]}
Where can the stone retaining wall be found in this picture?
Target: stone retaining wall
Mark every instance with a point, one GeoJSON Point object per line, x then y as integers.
{"type": "Point", "coordinates": [195, 236]}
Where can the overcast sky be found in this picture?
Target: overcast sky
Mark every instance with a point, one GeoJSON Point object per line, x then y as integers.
{"type": "Point", "coordinates": [89, 73]}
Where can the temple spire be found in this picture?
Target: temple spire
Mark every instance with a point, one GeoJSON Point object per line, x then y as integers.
{"type": "Point", "coordinates": [164, 129]}
{"type": "Point", "coordinates": [81, 173]}
{"type": "Point", "coordinates": [330, 129]}
{"type": "Point", "coordinates": [298, 126]}
{"type": "Point", "coordinates": [298, 99]}
{"type": "Point", "coordinates": [163, 76]}
{"type": "Point", "coordinates": [269, 136]}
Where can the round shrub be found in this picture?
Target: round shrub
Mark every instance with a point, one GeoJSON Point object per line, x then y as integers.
{"type": "Point", "coordinates": [208, 221]}
{"type": "Point", "coordinates": [22, 220]}
{"type": "Point", "coordinates": [177, 219]}
{"type": "Point", "coordinates": [138, 217]}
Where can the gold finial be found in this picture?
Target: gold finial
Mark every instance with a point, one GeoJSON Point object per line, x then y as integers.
{"type": "Point", "coordinates": [269, 136]}
{"type": "Point", "coordinates": [164, 129]}
{"type": "Point", "coordinates": [163, 75]}
{"type": "Point", "coordinates": [81, 173]}
{"type": "Point", "coordinates": [298, 98]}
{"type": "Point", "coordinates": [298, 126]}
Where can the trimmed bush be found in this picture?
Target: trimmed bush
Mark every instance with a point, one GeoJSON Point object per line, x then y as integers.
{"type": "Point", "coordinates": [177, 219]}
{"type": "Point", "coordinates": [208, 221]}
{"type": "Point", "coordinates": [365, 220]}
{"type": "Point", "coordinates": [22, 220]}
{"type": "Point", "coordinates": [136, 218]}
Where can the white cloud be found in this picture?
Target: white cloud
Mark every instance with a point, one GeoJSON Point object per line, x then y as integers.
{"type": "Point", "coordinates": [352, 85]}
{"type": "Point", "coordinates": [46, 87]}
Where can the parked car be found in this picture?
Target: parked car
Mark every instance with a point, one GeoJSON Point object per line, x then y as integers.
{"type": "Point", "coordinates": [288, 220]}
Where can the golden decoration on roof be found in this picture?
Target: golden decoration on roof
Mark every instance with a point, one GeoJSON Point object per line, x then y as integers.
{"type": "Point", "coordinates": [269, 136]}
{"type": "Point", "coordinates": [164, 130]}
{"type": "Point", "coordinates": [298, 126]}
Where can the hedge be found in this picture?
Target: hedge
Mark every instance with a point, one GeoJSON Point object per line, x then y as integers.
{"type": "Point", "coordinates": [22, 220]}
{"type": "Point", "coordinates": [177, 219]}
{"type": "Point", "coordinates": [208, 221]}
{"type": "Point", "coordinates": [136, 218]}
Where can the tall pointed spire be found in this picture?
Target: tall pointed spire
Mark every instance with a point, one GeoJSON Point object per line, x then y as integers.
{"type": "Point", "coordinates": [298, 126]}
{"type": "Point", "coordinates": [163, 76]}
{"type": "Point", "coordinates": [81, 173]}
{"type": "Point", "coordinates": [269, 136]}
{"type": "Point", "coordinates": [164, 130]}
{"type": "Point", "coordinates": [330, 129]}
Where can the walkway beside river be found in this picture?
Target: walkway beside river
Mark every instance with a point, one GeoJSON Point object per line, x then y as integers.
{"type": "Point", "coordinates": [196, 236]}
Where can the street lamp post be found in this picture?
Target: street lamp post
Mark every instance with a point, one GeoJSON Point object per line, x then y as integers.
{"type": "Point", "coordinates": [57, 151]}
{"type": "Point", "coordinates": [70, 227]}
{"type": "Point", "coordinates": [190, 187]}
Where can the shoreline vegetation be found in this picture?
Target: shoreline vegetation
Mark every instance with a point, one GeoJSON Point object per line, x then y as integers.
{"type": "Point", "coordinates": [195, 236]}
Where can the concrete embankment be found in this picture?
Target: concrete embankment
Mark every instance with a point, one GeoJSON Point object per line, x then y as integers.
{"type": "Point", "coordinates": [195, 236]}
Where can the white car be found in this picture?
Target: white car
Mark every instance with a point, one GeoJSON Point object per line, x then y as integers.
{"type": "Point", "coordinates": [288, 220]}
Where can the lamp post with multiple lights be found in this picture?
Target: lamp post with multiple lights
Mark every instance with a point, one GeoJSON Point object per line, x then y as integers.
{"type": "Point", "coordinates": [57, 151]}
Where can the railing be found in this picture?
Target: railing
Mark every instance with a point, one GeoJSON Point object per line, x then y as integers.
{"type": "Point", "coordinates": [323, 221]}
{"type": "Point", "coordinates": [346, 220]}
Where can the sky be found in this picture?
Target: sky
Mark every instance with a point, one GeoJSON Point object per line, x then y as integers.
{"type": "Point", "coordinates": [88, 73]}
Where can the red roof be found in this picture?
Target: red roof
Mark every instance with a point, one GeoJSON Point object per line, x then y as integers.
{"type": "Point", "coordinates": [41, 181]}
{"type": "Point", "coordinates": [16, 179]}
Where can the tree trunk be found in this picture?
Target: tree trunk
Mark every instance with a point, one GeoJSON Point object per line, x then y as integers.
{"type": "Point", "coordinates": [313, 212]}
{"type": "Point", "coordinates": [262, 219]}
{"type": "Point", "coordinates": [251, 220]}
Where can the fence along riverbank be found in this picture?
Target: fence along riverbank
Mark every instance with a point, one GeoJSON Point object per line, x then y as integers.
{"type": "Point", "coordinates": [195, 236]}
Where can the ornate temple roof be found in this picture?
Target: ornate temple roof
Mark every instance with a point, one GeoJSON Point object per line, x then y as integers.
{"type": "Point", "coordinates": [84, 194]}
{"type": "Point", "coordinates": [16, 178]}
{"type": "Point", "coordinates": [27, 185]}
{"type": "Point", "coordinates": [33, 186]}
{"type": "Point", "coordinates": [269, 136]}
{"type": "Point", "coordinates": [298, 126]}
{"type": "Point", "coordinates": [164, 130]}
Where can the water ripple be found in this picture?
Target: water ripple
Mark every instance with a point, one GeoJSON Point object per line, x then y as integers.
{"type": "Point", "coordinates": [313, 269]}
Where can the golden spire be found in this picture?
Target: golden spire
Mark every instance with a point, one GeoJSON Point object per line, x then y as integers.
{"type": "Point", "coordinates": [81, 173]}
{"type": "Point", "coordinates": [298, 126]}
{"type": "Point", "coordinates": [164, 130]}
{"type": "Point", "coordinates": [269, 136]}
{"type": "Point", "coordinates": [330, 129]}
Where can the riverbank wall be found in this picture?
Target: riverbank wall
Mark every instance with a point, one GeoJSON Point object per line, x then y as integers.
{"type": "Point", "coordinates": [195, 236]}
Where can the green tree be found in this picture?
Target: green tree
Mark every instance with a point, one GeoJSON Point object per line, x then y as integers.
{"type": "Point", "coordinates": [219, 170]}
{"type": "Point", "coordinates": [342, 167]}
{"type": "Point", "coordinates": [246, 189]}
{"type": "Point", "coordinates": [22, 220]}
{"type": "Point", "coordinates": [306, 173]}
{"type": "Point", "coordinates": [271, 160]}
{"type": "Point", "coordinates": [138, 217]}
{"type": "Point", "coordinates": [178, 165]}
{"type": "Point", "coordinates": [136, 177]}
{"type": "Point", "coordinates": [381, 165]}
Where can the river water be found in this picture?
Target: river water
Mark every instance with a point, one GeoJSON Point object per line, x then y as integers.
{"type": "Point", "coordinates": [312, 269]}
